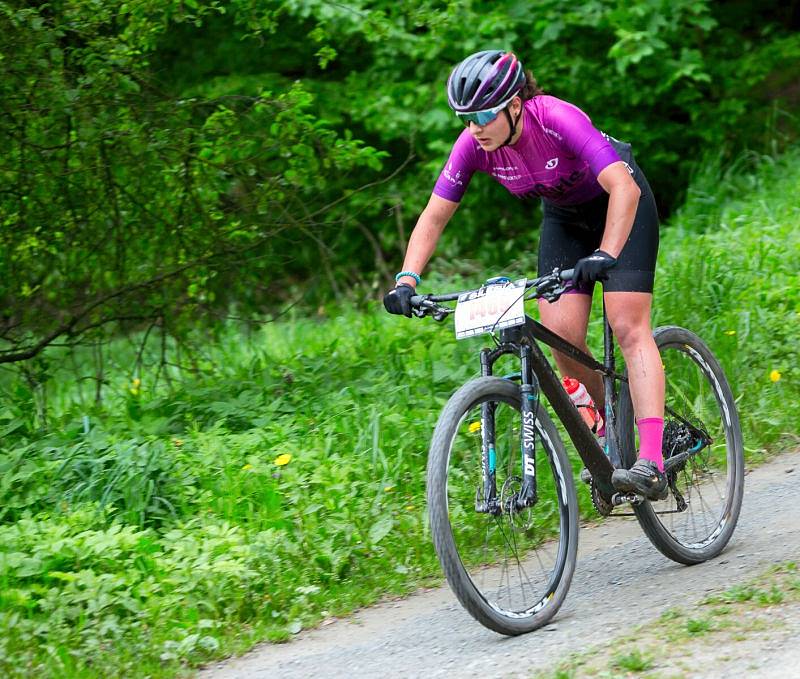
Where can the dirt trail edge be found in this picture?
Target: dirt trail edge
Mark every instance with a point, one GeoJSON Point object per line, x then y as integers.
{"type": "Point", "coordinates": [620, 581]}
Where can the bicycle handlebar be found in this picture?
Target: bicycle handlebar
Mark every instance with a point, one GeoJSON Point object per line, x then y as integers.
{"type": "Point", "coordinates": [550, 287]}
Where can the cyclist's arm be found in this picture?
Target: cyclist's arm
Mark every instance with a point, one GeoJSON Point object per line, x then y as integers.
{"type": "Point", "coordinates": [623, 199]}
{"type": "Point", "coordinates": [426, 235]}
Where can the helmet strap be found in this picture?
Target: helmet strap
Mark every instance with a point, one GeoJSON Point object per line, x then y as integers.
{"type": "Point", "coordinates": [512, 124]}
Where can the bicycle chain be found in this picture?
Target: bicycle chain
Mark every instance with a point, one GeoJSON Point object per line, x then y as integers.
{"type": "Point", "coordinates": [680, 501]}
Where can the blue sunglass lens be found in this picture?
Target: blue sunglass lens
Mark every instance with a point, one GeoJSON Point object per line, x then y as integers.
{"type": "Point", "coordinates": [479, 117]}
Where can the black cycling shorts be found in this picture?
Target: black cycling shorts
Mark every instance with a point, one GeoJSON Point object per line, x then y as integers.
{"type": "Point", "coordinates": [575, 231]}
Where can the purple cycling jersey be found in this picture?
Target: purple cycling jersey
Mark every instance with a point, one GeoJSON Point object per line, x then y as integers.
{"type": "Point", "coordinates": [558, 157]}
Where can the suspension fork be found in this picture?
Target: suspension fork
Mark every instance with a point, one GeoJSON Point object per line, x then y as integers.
{"type": "Point", "coordinates": [529, 397]}
{"type": "Point", "coordinates": [486, 500]}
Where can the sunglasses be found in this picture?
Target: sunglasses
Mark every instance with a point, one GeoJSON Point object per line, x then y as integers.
{"type": "Point", "coordinates": [484, 117]}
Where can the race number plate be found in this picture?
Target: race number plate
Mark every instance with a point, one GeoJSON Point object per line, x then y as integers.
{"type": "Point", "coordinates": [493, 307]}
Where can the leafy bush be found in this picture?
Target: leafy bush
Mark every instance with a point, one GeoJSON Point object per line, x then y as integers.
{"type": "Point", "coordinates": [166, 160]}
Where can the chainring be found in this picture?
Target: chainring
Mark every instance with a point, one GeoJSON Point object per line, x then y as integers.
{"type": "Point", "coordinates": [603, 507]}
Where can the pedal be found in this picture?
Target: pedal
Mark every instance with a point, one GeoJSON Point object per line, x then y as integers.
{"type": "Point", "coordinates": [627, 499]}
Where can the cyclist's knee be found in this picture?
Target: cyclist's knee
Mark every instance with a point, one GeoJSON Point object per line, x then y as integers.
{"type": "Point", "coordinates": [632, 333]}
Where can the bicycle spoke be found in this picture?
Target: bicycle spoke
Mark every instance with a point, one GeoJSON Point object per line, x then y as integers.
{"type": "Point", "coordinates": [520, 568]}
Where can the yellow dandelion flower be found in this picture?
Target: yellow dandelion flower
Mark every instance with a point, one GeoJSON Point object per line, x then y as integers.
{"type": "Point", "coordinates": [388, 489]}
{"type": "Point", "coordinates": [247, 468]}
{"type": "Point", "coordinates": [730, 332]}
{"type": "Point", "coordinates": [474, 426]}
{"type": "Point", "coordinates": [282, 460]}
{"type": "Point", "coordinates": [177, 442]}
{"type": "Point", "coordinates": [775, 375]}
{"type": "Point", "coordinates": [136, 382]}
{"type": "Point", "coordinates": [410, 508]}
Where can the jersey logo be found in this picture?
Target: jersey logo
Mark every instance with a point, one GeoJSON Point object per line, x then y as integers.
{"type": "Point", "coordinates": [448, 175]}
{"type": "Point", "coordinates": [551, 164]}
{"type": "Point", "coordinates": [506, 173]}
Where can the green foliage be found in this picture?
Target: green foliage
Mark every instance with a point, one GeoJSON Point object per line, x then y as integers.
{"type": "Point", "coordinates": [170, 542]}
{"type": "Point", "coordinates": [129, 207]}
{"type": "Point", "coordinates": [698, 626]}
{"type": "Point", "coordinates": [635, 661]}
{"type": "Point", "coordinates": [165, 161]}
{"type": "Point", "coordinates": [742, 593]}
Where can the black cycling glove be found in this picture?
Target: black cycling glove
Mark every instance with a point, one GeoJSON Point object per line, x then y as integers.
{"type": "Point", "coordinates": [593, 268]}
{"type": "Point", "coordinates": [398, 300]}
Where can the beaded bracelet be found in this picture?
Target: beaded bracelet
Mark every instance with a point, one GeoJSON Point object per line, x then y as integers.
{"type": "Point", "coordinates": [411, 274]}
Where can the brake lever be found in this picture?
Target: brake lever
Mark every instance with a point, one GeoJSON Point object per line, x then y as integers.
{"type": "Point", "coordinates": [419, 312]}
{"type": "Point", "coordinates": [553, 295]}
{"type": "Point", "coordinates": [551, 290]}
{"type": "Point", "coordinates": [427, 308]}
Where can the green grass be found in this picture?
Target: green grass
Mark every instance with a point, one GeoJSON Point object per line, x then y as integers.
{"type": "Point", "coordinates": [281, 480]}
{"type": "Point", "coordinates": [634, 661]}
{"type": "Point", "coordinates": [698, 626]}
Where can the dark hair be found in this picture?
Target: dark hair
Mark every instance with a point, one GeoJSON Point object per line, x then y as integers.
{"type": "Point", "coordinates": [530, 89]}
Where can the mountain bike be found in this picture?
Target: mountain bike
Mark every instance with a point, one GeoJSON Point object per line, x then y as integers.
{"type": "Point", "coordinates": [501, 497]}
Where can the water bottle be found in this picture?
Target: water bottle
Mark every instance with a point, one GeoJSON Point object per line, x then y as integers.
{"type": "Point", "coordinates": [584, 403]}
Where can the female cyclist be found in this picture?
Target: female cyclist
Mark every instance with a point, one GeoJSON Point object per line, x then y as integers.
{"type": "Point", "coordinates": [599, 217]}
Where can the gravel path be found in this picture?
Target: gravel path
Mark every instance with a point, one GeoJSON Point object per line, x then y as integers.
{"type": "Point", "coordinates": [429, 634]}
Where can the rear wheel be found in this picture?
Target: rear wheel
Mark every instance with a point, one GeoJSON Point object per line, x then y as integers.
{"type": "Point", "coordinates": [510, 569]}
{"type": "Point", "coordinates": [703, 452]}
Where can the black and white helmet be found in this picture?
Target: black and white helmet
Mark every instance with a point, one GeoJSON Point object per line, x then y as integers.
{"type": "Point", "coordinates": [484, 80]}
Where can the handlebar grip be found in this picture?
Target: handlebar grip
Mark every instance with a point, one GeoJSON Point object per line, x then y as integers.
{"type": "Point", "coordinates": [567, 274]}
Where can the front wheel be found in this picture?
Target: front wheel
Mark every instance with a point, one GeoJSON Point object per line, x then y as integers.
{"type": "Point", "coordinates": [510, 569]}
{"type": "Point", "coordinates": [702, 435]}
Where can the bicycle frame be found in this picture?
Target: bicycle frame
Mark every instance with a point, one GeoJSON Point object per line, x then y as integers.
{"type": "Point", "coordinates": [537, 375]}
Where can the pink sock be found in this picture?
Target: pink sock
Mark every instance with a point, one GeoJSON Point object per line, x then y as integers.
{"type": "Point", "coordinates": [651, 432]}
{"type": "Point", "coordinates": [602, 430]}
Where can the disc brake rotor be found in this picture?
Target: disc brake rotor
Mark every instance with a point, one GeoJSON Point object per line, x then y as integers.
{"type": "Point", "coordinates": [520, 520]}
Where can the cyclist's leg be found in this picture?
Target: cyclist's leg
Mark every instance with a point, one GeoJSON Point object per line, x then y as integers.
{"type": "Point", "coordinates": [628, 294]}
{"type": "Point", "coordinates": [628, 297]}
{"type": "Point", "coordinates": [629, 316]}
